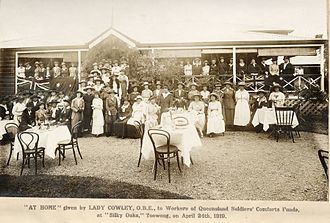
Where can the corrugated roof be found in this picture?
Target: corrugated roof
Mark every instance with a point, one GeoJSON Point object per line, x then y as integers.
{"type": "Point", "coordinates": [154, 35]}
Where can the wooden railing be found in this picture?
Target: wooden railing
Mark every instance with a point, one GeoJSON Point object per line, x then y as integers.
{"type": "Point", "coordinates": [257, 82]}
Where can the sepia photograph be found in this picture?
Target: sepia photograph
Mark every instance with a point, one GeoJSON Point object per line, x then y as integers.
{"type": "Point", "coordinates": [164, 100]}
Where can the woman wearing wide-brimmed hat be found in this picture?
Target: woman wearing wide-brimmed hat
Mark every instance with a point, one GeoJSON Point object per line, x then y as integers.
{"type": "Point", "coordinates": [88, 111]}
{"type": "Point", "coordinates": [276, 97]}
{"type": "Point", "coordinates": [228, 102]}
{"type": "Point", "coordinates": [77, 107]}
{"type": "Point", "coordinates": [197, 108]}
{"type": "Point", "coordinates": [138, 113]}
{"type": "Point", "coordinates": [111, 110]}
{"type": "Point", "coordinates": [242, 108]}
{"type": "Point", "coordinates": [215, 123]}
{"type": "Point", "coordinates": [152, 112]}
{"type": "Point", "coordinates": [98, 119]}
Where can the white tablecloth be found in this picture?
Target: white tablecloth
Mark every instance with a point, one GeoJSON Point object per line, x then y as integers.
{"type": "Point", "coordinates": [267, 116]}
{"type": "Point", "coordinates": [186, 139]}
{"type": "Point", "coordinates": [48, 139]}
{"type": "Point", "coordinates": [2, 126]}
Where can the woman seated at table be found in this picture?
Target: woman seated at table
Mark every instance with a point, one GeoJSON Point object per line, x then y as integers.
{"type": "Point", "coordinates": [41, 114]}
{"type": "Point", "coordinates": [260, 101]}
{"type": "Point", "coordinates": [125, 113]}
{"type": "Point", "coordinates": [138, 114]}
{"type": "Point", "coordinates": [152, 113]}
{"type": "Point", "coordinates": [197, 107]}
{"type": "Point", "coordinates": [97, 118]}
{"type": "Point", "coordinates": [64, 114]}
{"type": "Point", "coordinates": [215, 123]}
{"type": "Point", "coordinates": [28, 118]}
{"type": "Point", "coordinates": [276, 97]}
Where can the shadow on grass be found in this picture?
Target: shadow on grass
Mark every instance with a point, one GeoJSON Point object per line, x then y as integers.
{"type": "Point", "coordinates": [77, 187]}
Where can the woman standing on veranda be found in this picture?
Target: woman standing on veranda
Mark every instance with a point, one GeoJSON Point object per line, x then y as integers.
{"type": "Point", "coordinates": [242, 109]}
{"type": "Point", "coordinates": [215, 123]}
{"type": "Point", "coordinates": [197, 108]}
{"type": "Point", "coordinates": [98, 119]}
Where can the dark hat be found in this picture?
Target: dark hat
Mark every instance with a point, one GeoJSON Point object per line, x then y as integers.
{"type": "Point", "coordinates": [29, 105]}
{"type": "Point", "coordinates": [104, 68]}
{"type": "Point", "coordinates": [53, 102]}
{"type": "Point", "coordinates": [197, 94]}
{"type": "Point", "coordinates": [261, 91]}
{"type": "Point", "coordinates": [79, 92]}
{"type": "Point", "coordinates": [217, 85]}
{"type": "Point", "coordinates": [138, 97]}
{"type": "Point", "coordinates": [95, 72]}
{"type": "Point", "coordinates": [214, 94]}
{"type": "Point", "coordinates": [286, 57]}
{"type": "Point", "coordinates": [98, 79]}
{"type": "Point", "coordinates": [35, 96]}
{"type": "Point", "coordinates": [111, 91]}
{"type": "Point", "coordinates": [274, 59]}
{"type": "Point", "coordinates": [89, 87]}
{"type": "Point", "coordinates": [276, 85]}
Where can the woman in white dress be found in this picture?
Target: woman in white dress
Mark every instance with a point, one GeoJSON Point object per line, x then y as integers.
{"type": "Point", "coordinates": [152, 113]}
{"type": "Point", "coordinates": [197, 108]}
{"type": "Point", "coordinates": [139, 110]}
{"type": "Point", "coordinates": [242, 108]}
{"type": "Point", "coordinates": [98, 119]}
{"type": "Point", "coordinates": [215, 123]}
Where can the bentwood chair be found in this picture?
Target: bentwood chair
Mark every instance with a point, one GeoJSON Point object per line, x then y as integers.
{"type": "Point", "coordinates": [324, 159]}
{"type": "Point", "coordinates": [284, 119]}
{"type": "Point", "coordinates": [11, 130]}
{"type": "Point", "coordinates": [163, 152]}
{"type": "Point", "coordinates": [140, 132]}
{"type": "Point", "coordinates": [30, 150]}
{"type": "Point", "coordinates": [70, 144]}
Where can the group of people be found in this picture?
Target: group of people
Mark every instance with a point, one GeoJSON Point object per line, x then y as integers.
{"type": "Point", "coordinates": [271, 72]}
{"type": "Point", "coordinates": [40, 72]}
{"type": "Point", "coordinates": [108, 103]}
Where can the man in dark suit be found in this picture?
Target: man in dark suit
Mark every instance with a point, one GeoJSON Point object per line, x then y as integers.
{"type": "Point", "coordinates": [28, 118]}
{"type": "Point", "coordinates": [180, 96]}
{"type": "Point", "coordinates": [286, 69]}
{"type": "Point", "coordinates": [166, 100]}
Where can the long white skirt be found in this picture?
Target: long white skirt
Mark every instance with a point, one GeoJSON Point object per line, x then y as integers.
{"type": "Point", "coordinates": [98, 122]}
{"type": "Point", "coordinates": [215, 123]}
{"type": "Point", "coordinates": [199, 120]}
{"type": "Point", "coordinates": [242, 113]}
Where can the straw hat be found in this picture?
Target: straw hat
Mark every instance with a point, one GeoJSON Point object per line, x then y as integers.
{"type": "Point", "coordinates": [242, 83]}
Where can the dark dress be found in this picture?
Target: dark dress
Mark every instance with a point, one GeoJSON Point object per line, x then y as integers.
{"type": "Point", "coordinates": [28, 118]}
{"type": "Point", "coordinates": [120, 126]}
{"type": "Point", "coordinates": [88, 111]}
{"type": "Point", "coordinates": [111, 108]}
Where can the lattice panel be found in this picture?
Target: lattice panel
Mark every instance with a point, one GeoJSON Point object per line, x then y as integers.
{"type": "Point", "coordinates": [307, 108]}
